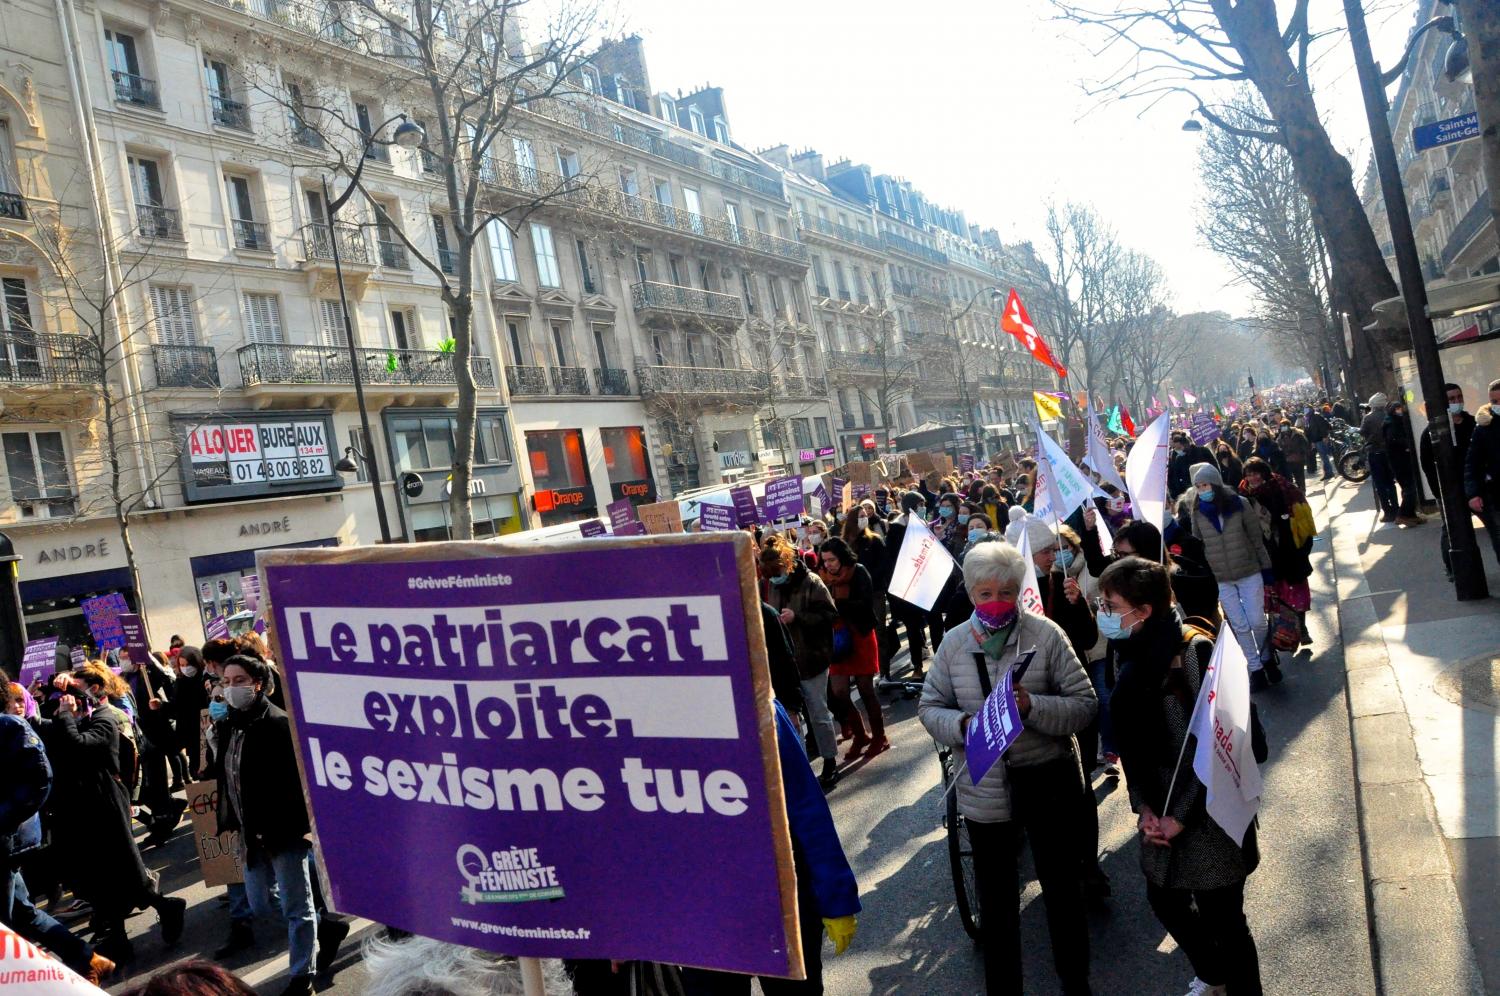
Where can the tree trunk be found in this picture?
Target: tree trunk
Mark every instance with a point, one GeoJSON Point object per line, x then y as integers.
{"type": "Point", "coordinates": [118, 499]}
{"type": "Point", "coordinates": [1360, 275]}
{"type": "Point", "coordinates": [460, 511]}
{"type": "Point", "coordinates": [1481, 23]}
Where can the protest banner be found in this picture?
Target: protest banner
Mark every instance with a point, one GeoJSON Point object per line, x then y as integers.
{"type": "Point", "coordinates": [820, 495]}
{"type": "Point", "coordinates": [219, 854]}
{"type": "Point", "coordinates": [1146, 472]}
{"type": "Point", "coordinates": [578, 735]}
{"type": "Point", "coordinates": [102, 614]}
{"type": "Point", "coordinates": [592, 527]}
{"type": "Point", "coordinates": [1066, 486]}
{"type": "Point", "coordinates": [39, 660]}
{"type": "Point", "coordinates": [1031, 591]}
{"type": "Point", "coordinates": [993, 729]}
{"type": "Point", "coordinates": [1097, 455]}
{"type": "Point", "coordinates": [857, 471]}
{"type": "Point", "coordinates": [784, 498]}
{"type": "Point", "coordinates": [217, 628]}
{"type": "Point", "coordinates": [136, 645]}
{"type": "Point", "coordinates": [923, 566]}
{"type": "Point", "coordinates": [746, 514]}
{"type": "Point", "coordinates": [620, 512]}
{"type": "Point", "coordinates": [716, 518]}
{"type": "Point", "coordinates": [861, 492]}
{"type": "Point", "coordinates": [1224, 760]}
{"type": "Point", "coordinates": [661, 518]}
{"type": "Point", "coordinates": [26, 970]}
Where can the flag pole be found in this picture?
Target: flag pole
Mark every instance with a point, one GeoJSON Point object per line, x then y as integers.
{"type": "Point", "coordinates": [1192, 720]}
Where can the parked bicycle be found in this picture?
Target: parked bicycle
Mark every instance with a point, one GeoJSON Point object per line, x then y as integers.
{"type": "Point", "coordinates": [1349, 450]}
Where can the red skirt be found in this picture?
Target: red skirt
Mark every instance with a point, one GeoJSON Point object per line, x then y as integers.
{"type": "Point", "coordinates": [864, 660]}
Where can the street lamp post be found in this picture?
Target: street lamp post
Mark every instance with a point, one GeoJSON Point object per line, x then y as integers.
{"type": "Point", "coordinates": [1468, 571]}
{"type": "Point", "coordinates": [408, 136]}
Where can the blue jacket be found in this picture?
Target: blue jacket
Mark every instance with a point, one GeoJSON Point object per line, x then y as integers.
{"type": "Point", "coordinates": [27, 783]}
{"type": "Point", "coordinates": [813, 832]}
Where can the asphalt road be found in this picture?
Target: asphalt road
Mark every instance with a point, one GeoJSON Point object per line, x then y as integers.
{"type": "Point", "coordinates": [1306, 903]}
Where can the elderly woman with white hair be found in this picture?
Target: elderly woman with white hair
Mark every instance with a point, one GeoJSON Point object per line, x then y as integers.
{"type": "Point", "coordinates": [1034, 787]}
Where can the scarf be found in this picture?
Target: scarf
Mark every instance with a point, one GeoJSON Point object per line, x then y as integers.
{"type": "Point", "coordinates": [992, 641]}
{"type": "Point", "coordinates": [1135, 704]}
{"type": "Point", "coordinates": [839, 582]}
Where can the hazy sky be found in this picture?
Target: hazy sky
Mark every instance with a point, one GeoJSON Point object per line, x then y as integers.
{"type": "Point", "coordinates": [979, 105]}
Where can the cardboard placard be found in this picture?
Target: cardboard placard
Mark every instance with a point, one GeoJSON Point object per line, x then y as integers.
{"type": "Point", "coordinates": [219, 854]}
{"type": "Point", "coordinates": [921, 464]}
{"type": "Point", "coordinates": [661, 518]}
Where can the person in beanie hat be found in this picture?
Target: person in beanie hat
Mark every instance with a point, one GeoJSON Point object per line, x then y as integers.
{"type": "Point", "coordinates": [1382, 477]}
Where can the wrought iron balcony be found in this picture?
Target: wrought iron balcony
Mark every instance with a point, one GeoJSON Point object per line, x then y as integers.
{"type": "Point", "coordinates": [916, 250]}
{"type": "Point", "coordinates": [157, 222]}
{"type": "Point", "coordinates": [12, 206]}
{"type": "Point", "coordinates": [318, 242]}
{"type": "Point", "coordinates": [569, 380]}
{"type": "Point", "coordinates": [48, 358]}
{"type": "Point", "coordinates": [672, 299]}
{"type": "Point", "coordinates": [305, 134]}
{"type": "Point", "coordinates": [185, 366]}
{"type": "Point", "coordinates": [1439, 189]}
{"type": "Point", "coordinates": [612, 380]}
{"type": "Point", "coordinates": [393, 255]}
{"type": "Point", "coordinates": [137, 90]}
{"type": "Point", "coordinates": [526, 380]}
{"type": "Point", "coordinates": [849, 360]}
{"type": "Point", "coordinates": [799, 386]}
{"type": "Point", "coordinates": [703, 381]}
{"type": "Point", "coordinates": [1466, 229]}
{"type": "Point", "coordinates": [264, 363]}
{"type": "Point", "coordinates": [842, 233]}
{"type": "Point", "coordinates": [230, 113]}
{"type": "Point", "coordinates": [251, 235]}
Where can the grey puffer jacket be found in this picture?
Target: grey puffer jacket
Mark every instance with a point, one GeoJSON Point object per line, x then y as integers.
{"type": "Point", "coordinates": [1236, 552]}
{"type": "Point", "coordinates": [1062, 703]}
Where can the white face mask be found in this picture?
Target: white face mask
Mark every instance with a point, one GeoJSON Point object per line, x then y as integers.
{"type": "Point", "coordinates": [1455, 407]}
{"type": "Point", "coordinates": [188, 671]}
{"type": "Point", "coordinates": [239, 696]}
{"type": "Point", "coordinates": [127, 667]}
{"type": "Point", "coordinates": [864, 522]}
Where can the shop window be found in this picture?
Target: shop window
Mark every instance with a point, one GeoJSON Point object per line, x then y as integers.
{"type": "Point", "coordinates": [560, 474]}
{"type": "Point", "coordinates": [627, 463]}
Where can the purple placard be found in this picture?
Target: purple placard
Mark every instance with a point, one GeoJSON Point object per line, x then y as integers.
{"type": "Point", "coordinates": [259, 625]}
{"type": "Point", "coordinates": [860, 492]}
{"type": "Point", "coordinates": [966, 462]}
{"type": "Point", "coordinates": [1203, 428]}
{"type": "Point", "coordinates": [136, 644]}
{"type": "Point", "coordinates": [103, 616]}
{"type": "Point", "coordinates": [992, 730]}
{"type": "Point", "coordinates": [217, 628]}
{"type": "Point", "coordinates": [635, 528]}
{"type": "Point", "coordinates": [620, 512]}
{"type": "Point", "coordinates": [77, 656]}
{"type": "Point", "coordinates": [784, 498]}
{"type": "Point", "coordinates": [592, 527]}
{"type": "Point", "coordinates": [555, 750]}
{"type": "Point", "coordinates": [837, 484]}
{"type": "Point", "coordinates": [760, 512]}
{"type": "Point", "coordinates": [747, 512]}
{"type": "Point", "coordinates": [716, 518]}
{"type": "Point", "coordinates": [38, 661]}
{"type": "Point", "coordinates": [821, 493]}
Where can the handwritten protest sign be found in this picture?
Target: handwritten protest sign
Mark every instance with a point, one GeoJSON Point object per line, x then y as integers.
{"type": "Point", "coordinates": [661, 518]}
{"type": "Point", "coordinates": [966, 462]}
{"type": "Point", "coordinates": [1203, 428]}
{"type": "Point", "coordinates": [219, 854]}
{"type": "Point", "coordinates": [102, 614]}
{"type": "Point", "coordinates": [922, 464]}
{"type": "Point", "coordinates": [784, 498]}
{"type": "Point", "coordinates": [578, 735]}
{"type": "Point", "coordinates": [39, 660]}
{"type": "Point", "coordinates": [993, 729]}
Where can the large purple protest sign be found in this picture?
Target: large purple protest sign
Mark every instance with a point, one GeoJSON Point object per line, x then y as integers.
{"type": "Point", "coordinates": [747, 513]}
{"type": "Point", "coordinates": [620, 512]}
{"type": "Point", "coordinates": [217, 628]}
{"type": "Point", "coordinates": [821, 494]}
{"type": "Point", "coordinates": [577, 737]}
{"type": "Point", "coordinates": [784, 498]}
{"type": "Point", "coordinates": [1203, 428]}
{"type": "Point", "coordinates": [103, 616]}
{"type": "Point", "coordinates": [966, 462]}
{"type": "Point", "coordinates": [716, 518]}
{"type": "Point", "coordinates": [992, 730]}
{"type": "Point", "coordinates": [39, 660]}
{"type": "Point", "coordinates": [136, 645]}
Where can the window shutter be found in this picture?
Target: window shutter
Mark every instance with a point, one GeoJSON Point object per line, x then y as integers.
{"type": "Point", "coordinates": [174, 316]}
{"type": "Point", "coordinates": [263, 319]}
{"type": "Point", "coordinates": [332, 322]}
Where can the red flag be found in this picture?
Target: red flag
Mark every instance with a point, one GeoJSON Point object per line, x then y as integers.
{"type": "Point", "coordinates": [1125, 421]}
{"type": "Point", "coordinates": [1017, 322]}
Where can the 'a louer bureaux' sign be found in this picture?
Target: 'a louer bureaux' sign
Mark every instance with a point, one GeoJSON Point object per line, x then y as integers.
{"type": "Point", "coordinates": [569, 750]}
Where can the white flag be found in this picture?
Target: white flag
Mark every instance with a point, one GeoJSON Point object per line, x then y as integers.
{"type": "Point", "coordinates": [1097, 455]}
{"type": "Point", "coordinates": [922, 567]}
{"type": "Point", "coordinates": [1224, 761]}
{"type": "Point", "coordinates": [1146, 472]}
{"type": "Point", "coordinates": [1031, 592]}
{"type": "Point", "coordinates": [1066, 486]}
{"type": "Point", "coordinates": [33, 972]}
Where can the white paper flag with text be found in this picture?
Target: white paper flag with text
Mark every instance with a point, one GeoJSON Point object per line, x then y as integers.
{"type": "Point", "coordinates": [1098, 457]}
{"type": "Point", "coordinates": [1066, 486]}
{"type": "Point", "coordinates": [922, 566]}
{"type": "Point", "coordinates": [1146, 472]}
{"type": "Point", "coordinates": [1224, 760]}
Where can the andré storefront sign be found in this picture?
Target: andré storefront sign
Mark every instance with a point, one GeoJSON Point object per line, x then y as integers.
{"type": "Point", "coordinates": [578, 736]}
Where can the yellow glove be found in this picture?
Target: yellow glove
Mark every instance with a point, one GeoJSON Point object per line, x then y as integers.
{"type": "Point", "coordinates": [841, 931]}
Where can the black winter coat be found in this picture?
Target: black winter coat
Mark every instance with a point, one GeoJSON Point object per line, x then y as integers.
{"type": "Point", "coordinates": [1482, 462]}
{"type": "Point", "coordinates": [1463, 434]}
{"type": "Point", "coordinates": [275, 816]}
{"type": "Point", "coordinates": [782, 660]}
{"type": "Point", "coordinates": [189, 699]}
{"type": "Point", "coordinates": [1180, 470]}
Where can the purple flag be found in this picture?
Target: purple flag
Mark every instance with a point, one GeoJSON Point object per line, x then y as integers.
{"type": "Point", "coordinates": [716, 518]}
{"type": "Point", "coordinates": [992, 730]}
{"type": "Point", "coordinates": [784, 498]}
{"type": "Point", "coordinates": [747, 513]}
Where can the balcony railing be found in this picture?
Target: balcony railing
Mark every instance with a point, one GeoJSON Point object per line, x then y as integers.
{"type": "Point", "coordinates": [526, 380]}
{"type": "Point", "coordinates": [1466, 229]}
{"type": "Point", "coordinates": [448, 261]}
{"type": "Point", "coordinates": [185, 366]}
{"type": "Point", "coordinates": [916, 250]}
{"type": "Point", "coordinates": [12, 206]}
{"type": "Point", "coordinates": [138, 90]}
{"type": "Point", "coordinates": [570, 380]}
{"type": "Point", "coordinates": [651, 296]}
{"type": "Point", "coordinates": [834, 230]}
{"type": "Point", "coordinates": [823, 291]}
{"type": "Point", "coordinates": [1439, 188]}
{"type": "Point", "coordinates": [263, 363]}
{"type": "Point", "coordinates": [798, 386]}
{"type": "Point", "coordinates": [708, 381]}
{"type": "Point", "coordinates": [393, 255]}
{"type": "Point", "coordinates": [230, 113]}
{"type": "Point", "coordinates": [317, 243]}
{"type": "Point", "coordinates": [156, 222]}
{"type": "Point", "coordinates": [48, 358]}
{"type": "Point", "coordinates": [305, 134]}
{"type": "Point", "coordinates": [612, 380]}
{"type": "Point", "coordinates": [251, 235]}
{"type": "Point", "coordinates": [844, 359]}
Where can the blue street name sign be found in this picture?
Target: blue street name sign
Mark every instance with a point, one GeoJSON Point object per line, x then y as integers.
{"type": "Point", "coordinates": [1430, 136]}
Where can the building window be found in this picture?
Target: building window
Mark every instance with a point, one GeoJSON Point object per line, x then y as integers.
{"type": "Point", "coordinates": [516, 339]}
{"type": "Point", "coordinates": [643, 264]}
{"type": "Point", "coordinates": [822, 435]}
{"type": "Point", "coordinates": [669, 109]}
{"type": "Point", "coordinates": [15, 316]}
{"type": "Point", "coordinates": [548, 272]}
{"type": "Point", "coordinates": [365, 119]}
{"type": "Point", "coordinates": [721, 129]}
{"type": "Point", "coordinates": [361, 446]}
{"type": "Point", "coordinates": [560, 343]}
{"type": "Point", "coordinates": [695, 117]}
{"type": "Point", "coordinates": [732, 212]}
{"type": "Point", "coordinates": [263, 318]}
{"type": "Point", "coordinates": [247, 232]}
{"type": "Point", "coordinates": [801, 433]}
{"type": "Point", "coordinates": [404, 328]}
{"type": "Point", "coordinates": [502, 251]}
{"type": "Point", "coordinates": [447, 257]}
{"type": "Point", "coordinates": [331, 321]}
{"type": "Point", "coordinates": [223, 106]}
{"type": "Point", "coordinates": [173, 310]}
{"type": "Point", "coordinates": [560, 474]}
{"type": "Point", "coordinates": [131, 87]}
{"type": "Point", "coordinates": [567, 163]}
{"type": "Point", "coordinates": [627, 464]}
{"type": "Point", "coordinates": [37, 465]}
{"type": "Point", "coordinates": [749, 290]}
{"type": "Point", "coordinates": [154, 219]}
{"type": "Point", "coordinates": [10, 183]}
{"type": "Point", "coordinates": [602, 351]}
{"type": "Point", "coordinates": [525, 159]}
{"type": "Point", "coordinates": [628, 182]}
{"type": "Point", "coordinates": [584, 269]}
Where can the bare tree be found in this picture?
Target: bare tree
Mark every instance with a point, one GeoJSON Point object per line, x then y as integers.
{"type": "Point", "coordinates": [1195, 48]}
{"type": "Point", "coordinates": [1080, 295]}
{"type": "Point", "coordinates": [460, 71]}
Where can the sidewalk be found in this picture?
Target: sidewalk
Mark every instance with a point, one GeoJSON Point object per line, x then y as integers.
{"type": "Point", "coordinates": [1425, 720]}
